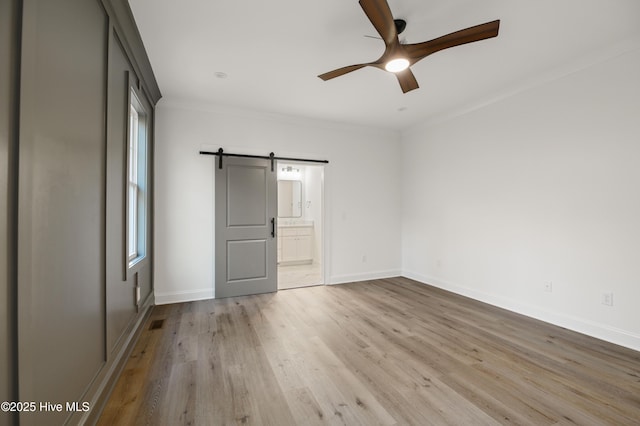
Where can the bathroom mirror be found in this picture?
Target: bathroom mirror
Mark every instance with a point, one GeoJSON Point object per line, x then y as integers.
{"type": "Point", "coordinates": [289, 198]}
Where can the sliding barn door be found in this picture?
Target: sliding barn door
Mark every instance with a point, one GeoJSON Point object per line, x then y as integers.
{"type": "Point", "coordinates": [246, 208]}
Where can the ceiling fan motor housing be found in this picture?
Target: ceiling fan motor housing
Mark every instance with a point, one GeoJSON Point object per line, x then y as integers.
{"type": "Point", "coordinates": [401, 24]}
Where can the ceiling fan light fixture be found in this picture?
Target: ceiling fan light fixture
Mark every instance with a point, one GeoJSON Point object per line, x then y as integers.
{"type": "Point", "coordinates": [397, 65]}
{"type": "Point", "coordinates": [398, 54]}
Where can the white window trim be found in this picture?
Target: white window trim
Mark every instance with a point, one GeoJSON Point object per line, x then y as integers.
{"type": "Point", "coordinates": [137, 164]}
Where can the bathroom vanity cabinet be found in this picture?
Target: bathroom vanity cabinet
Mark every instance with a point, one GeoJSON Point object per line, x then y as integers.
{"type": "Point", "coordinates": [295, 245]}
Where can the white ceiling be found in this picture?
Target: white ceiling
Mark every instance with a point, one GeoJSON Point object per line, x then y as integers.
{"type": "Point", "coordinates": [272, 52]}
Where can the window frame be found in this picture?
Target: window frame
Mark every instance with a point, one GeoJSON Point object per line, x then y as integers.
{"type": "Point", "coordinates": [136, 180]}
{"type": "Point", "coordinates": [132, 183]}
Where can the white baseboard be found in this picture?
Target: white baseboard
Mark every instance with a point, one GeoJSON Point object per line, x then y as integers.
{"type": "Point", "coordinates": [580, 325]}
{"type": "Point", "coordinates": [183, 296]}
{"type": "Point", "coordinates": [207, 293]}
{"type": "Point", "coordinates": [343, 279]}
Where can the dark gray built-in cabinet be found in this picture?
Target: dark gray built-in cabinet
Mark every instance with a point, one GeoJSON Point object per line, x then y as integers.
{"type": "Point", "coordinates": [71, 304]}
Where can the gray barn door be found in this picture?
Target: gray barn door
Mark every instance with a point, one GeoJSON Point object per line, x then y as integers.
{"type": "Point", "coordinates": [246, 210]}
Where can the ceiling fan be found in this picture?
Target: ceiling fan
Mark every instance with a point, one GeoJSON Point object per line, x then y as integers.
{"type": "Point", "coordinates": [397, 57]}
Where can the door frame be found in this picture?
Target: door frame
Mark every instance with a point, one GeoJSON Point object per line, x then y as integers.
{"type": "Point", "coordinates": [326, 204]}
{"type": "Point", "coordinates": [324, 240]}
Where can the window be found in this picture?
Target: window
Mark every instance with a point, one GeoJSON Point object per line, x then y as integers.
{"type": "Point", "coordinates": [136, 181]}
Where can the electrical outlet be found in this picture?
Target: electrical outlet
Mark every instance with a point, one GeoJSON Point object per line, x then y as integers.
{"type": "Point", "coordinates": [548, 286]}
{"type": "Point", "coordinates": [364, 258]}
{"type": "Point", "coordinates": [607, 298]}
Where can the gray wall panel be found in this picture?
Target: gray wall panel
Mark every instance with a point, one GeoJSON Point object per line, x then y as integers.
{"type": "Point", "coordinates": [144, 281]}
{"type": "Point", "coordinates": [62, 192]}
{"type": "Point", "coordinates": [61, 202]}
{"type": "Point", "coordinates": [121, 303]}
{"type": "Point", "coordinates": [8, 41]}
{"type": "Point", "coordinates": [120, 294]}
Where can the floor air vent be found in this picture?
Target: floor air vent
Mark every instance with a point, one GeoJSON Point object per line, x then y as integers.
{"type": "Point", "coordinates": [156, 324]}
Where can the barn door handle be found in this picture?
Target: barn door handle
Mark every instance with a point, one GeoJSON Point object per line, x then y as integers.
{"type": "Point", "coordinates": [273, 227]}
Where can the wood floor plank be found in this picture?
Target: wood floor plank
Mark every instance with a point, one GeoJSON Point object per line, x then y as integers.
{"type": "Point", "coordinates": [388, 352]}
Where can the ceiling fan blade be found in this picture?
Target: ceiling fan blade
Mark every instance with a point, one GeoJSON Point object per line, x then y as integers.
{"type": "Point", "coordinates": [417, 51]}
{"type": "Point", "coordinates": [407, 80]}
{"type": "Point", "coordinates": [380, 16]}
{"type": "Point", "coordinates": [341, 71]}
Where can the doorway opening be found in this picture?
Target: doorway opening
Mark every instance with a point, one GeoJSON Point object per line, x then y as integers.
{"type": "Point", "coordinates": [300, 225]}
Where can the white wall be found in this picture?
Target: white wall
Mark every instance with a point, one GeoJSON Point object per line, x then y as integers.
{"type": "Point", "coordinates": [361, 191]}
{"type": "Point", "coordinates": [541, 186]}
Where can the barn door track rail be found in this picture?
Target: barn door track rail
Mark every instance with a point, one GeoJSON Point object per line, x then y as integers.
{"type": "Point", "coordinates": [220, 153]}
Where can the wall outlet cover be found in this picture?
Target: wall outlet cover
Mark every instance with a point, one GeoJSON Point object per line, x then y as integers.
{"type": "Point", "coordinates": [607, 298]}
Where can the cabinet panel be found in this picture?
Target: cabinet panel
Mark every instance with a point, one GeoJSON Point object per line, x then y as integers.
{"type": "Point", "coordinates": [288, 249]}
{"type": "Point", "coordinates": [295, 245]}
{"type": "Point", "coordinates": [288, 232]}
{"type": "Point", "coordinates": [303, 248]}
{"type": "Point", "coordinates": [304, 231]}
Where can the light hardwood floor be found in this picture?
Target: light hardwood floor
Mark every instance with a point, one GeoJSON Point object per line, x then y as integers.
{"type": "Point", "coordinates": [386, 352]}
{"type": "Point", "coordinates": [297, 276]}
